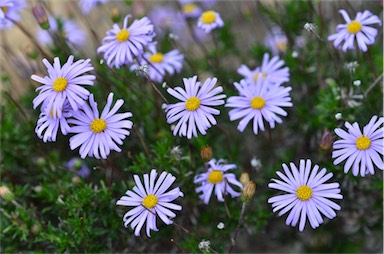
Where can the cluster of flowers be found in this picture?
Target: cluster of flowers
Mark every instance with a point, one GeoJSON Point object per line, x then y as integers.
{"type": "Point", "coordinates": [64, 105]}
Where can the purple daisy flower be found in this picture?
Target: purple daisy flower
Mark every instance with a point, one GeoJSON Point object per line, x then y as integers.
{"type": "Point", "coordinates": [276, 41]}
{"type": "Point", "coordinates": [165, 19]}
{"type": "Point", "coordinates": [120, 46]}
{"type": "Point", "coordinates": [216, 179]}
{"type": "Point", "coordinates": [170, 62]}
{"type": "Point", "coordinates": [357, 28]}
{"type": "Point", "coordinates": [258, 102]}
{"type": "Point", "coordinates": [191, 10]}
{"type": "Point", "coordinates": [307, 194]}
{"type": "Point", "coordinates": [79, 167]}
{"type": "Point", "coordinates": [70, 30]}
{"type": "Point", "coordinates": [50, 123]}
{"type": "Point", "coordinates": [87, 5]}
{"type": "Point", "coordinates": [64, 83]}
{"type": "Point", "coordinates": [8, 11]}
{"type": "Point", "coordinates": [270, 71]}
{"type": "Point", "coordinates": [360, 149]}
{"type": "Point", "coordinates": [98, 134]}
{"type": "Point", "coordinates": [194, 108]}
{"type": "Point", "coordinates": [210, 20]}
{"type": "Point", "coordinates": [150, 200]}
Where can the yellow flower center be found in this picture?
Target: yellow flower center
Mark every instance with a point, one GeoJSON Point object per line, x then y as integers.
{"type": "Point", "coordinates": [363, 143]}
{"type": "Point", "coordinates": [208, 17]}
{"type": "Point", "coordinates": [4, 9]}
{"type": "Point", "coordinates": [281, 46]}
{"type": "Point", "coordinates": [304, 192]}
{"type": "Point", "coordinates": [354, 27]}
{"type": "Point", "coordinates": [256, 77]}
{"type": "Point", "coordinates": [215, 176]}
{"type": "Point", "coordinates": [156, 58]}
{"type": "Point", "coordinates": [150, 201]}
{"type": "Point", "coordinates": [192, 103]}
{"type": "Point", "coordinates": [98, 125]}
{"type": "Point", "coordinates": [122, 36]}
{"type": "Point", "coordinates": [60, 84]}
{"type": "Point", "coordinates": [188, 8]}
{"type": "Point", "coordinates": [257, 102]}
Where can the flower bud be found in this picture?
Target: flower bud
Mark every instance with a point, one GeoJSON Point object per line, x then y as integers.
{"type": "Point", "coordinates": [36, 228]}
{"type": "Point", "coordinates": [41, 16]}
{"type": "Point", "coordinates": [206, 153]}
{"type": "Point", "coordinates": [248, 192]}
{"type": "Point", "coordinates": [6, 193]}
{"type": "Point", "coordinates": [326, 140]}
{"type": "Point", "coordinates": [115, 15]}
{"type": "Point", "coordinates": [244, 178]}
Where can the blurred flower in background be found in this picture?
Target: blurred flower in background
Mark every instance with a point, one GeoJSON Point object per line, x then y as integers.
{"type": "Point", "coordinates": [10, 11]}
{"type": "Point", "coordinates": [87, 5]}
{"type": "Point", "coordinates": [209, 20]}
{"type": "Point", "coordinates": [78, 166]}
{"type": "Point", "coordinates": [276, 41]}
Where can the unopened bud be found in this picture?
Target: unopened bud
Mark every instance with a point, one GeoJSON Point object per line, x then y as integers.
{"type": "Point", "coordinates": [248, 192]}
{"type": "Point", "coordinates": [206, 153]}
{"type": "Point", "coordinates": [76, 180]}
{"type": "Point", "coordinates": [36, 228]}
{"type": "Point", "coordinates": [244, 178]}
{"type": "Point", "coordinates": [6, 193]}
{"type": "Point", "coordinates": [326, 140]}
{"type": "Point", "coordinates": [115, 15]}
{"type": "Point", "coordinates": [41, 16]}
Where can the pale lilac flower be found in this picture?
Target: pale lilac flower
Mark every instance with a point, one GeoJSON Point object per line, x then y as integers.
{"type": "Point", "coordinates": [276, 41]}
{"type": "Point", "coordinates": [360, 149]}
{"type": "Point", "coordinates": [50, 123]}
{"type": "Point", "coordinates": [166, 19]}
{"type": "Point", "coordinates": [270, 70]}
{"type": "Point", "coordinates": [120, 46]}
{"type": "Point", "coordinates": [64, 83]}
{"type": "Point", "coordinates": [98, 134]}
{"type": "Point", "coordinates": [210, 20]}
{"type": "Point", "coordinates": [307, 194]}
{"type": "Point", "coordinates": [79, 167]}
{"type": "Point", "coordinates": [259, 102]}
{"type": "Point", "coordinates": [195, 106]}
{"type": "Point", "coordinates": [71, 32]}
{"type": "Point", "coordinates": [191, 10]}
{"type": "Point", "coordinates": [10, 12]}
{"type": "Point", "coordinates": [87, 5]}
{"type": "Point", "coordinates": [160, 64]}
{"type": "Point", "coordinates": [217, 180]}
{"type": "Point", "coordinates": [358, 28]}
{"type": "Point", "coordinates": [149, 200]}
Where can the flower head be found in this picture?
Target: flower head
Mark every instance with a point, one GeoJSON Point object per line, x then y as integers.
{"type": "Point", "coordinates": [217, 180]}
{"type": "Point", "coordinates": [121, 45]}
{"type": "Point", "coordinates": [270, 70]}
{"type": "Point", "coordinates": [10, 10]}
{"type": "Point", "coordinates": [359, 149]}
{"type": "Point", "coordinates": [210, 20]}
{"type": "Point", "coordinates": [160, 64]}
{"type": "Point", "coordinates": [276, 41]}
{"type": "Point", "coordinates": [78, 166]}
{"type": "Point", "coordinates": [307, 194]}
{"type": "Point", "coordinates": [258, 102]}
{"type": "Point", "coordinates": [64, 83]}
{"type": "Point", "coordinates": [191, 10]}
{"type": "Point", "coordinates": [87, 5]}
{"type": "Point", "coordinates": [49, 123]}
{"type": "Point", "coordinates": [150, 200]}
{"type": "Point", "coordinates": [98, 134]}
{"type": "Point", "coordinates": [194, 108]}
{"type": "Point", "coordinates": [359, 28]}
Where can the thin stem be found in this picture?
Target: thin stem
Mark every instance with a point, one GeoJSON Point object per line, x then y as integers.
{"type": "Point", "coordinates": [146, 150]}
{"type": "Point", "coordinates": [373, 84]}
{"type": "Point", "coordinates": [177, 246]}
{"type": "Point", "coordinates": [225, 201]}
{"type": "Point", "coordinates": [217, 50]}
{"type": "Point", "coordinates": [19, 108]}
{"type": "Point", "coordinates": [154, 87]}
{"type": "Point", "coordinates": [241, 217]}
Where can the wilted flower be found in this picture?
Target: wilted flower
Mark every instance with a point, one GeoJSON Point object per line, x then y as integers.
{"type": "Point", "coordinates": [204, 245]}
{"type": "Point", "coordinates": [258, 102]}
{"type": "Point", "coordinates": [244, 178]}
{"type": "Point", "coordinates": [98, 134]}
{"type": "Point", "coordinates": [256, 163]}
{"type": "Point", "coordinates": [150, 200]}
{"type": "Point", "coordinates": [209, 20]}
{"type": "Point", "coordinates": [248, 191]}
{"type": "Point", "coordinates": [338, 116]}
{"type": "Point", "coordinates": [220, 225]}
{"type": "Point", "coordinates": [217, 180]}
{"type": "Point", "coordinates": [194, 108]}
{"type": "Point", "coordinates": [357, 83]}
{"type": "Point", "coordinates": [359, 149]}
{"type": "Point", "coordinates": [6, 193]}
{"type": "Point", "coordinates": [326, 140]}
{"type": "Point", "coordinates": [310, 27]}
{"type": "Point", "coordinates": [357, 28]}
{"type": "Point", "coordinates": [206, 153]}
{"type": "Point", "coordinates": [120, 46]}
{"type": "Point", "coordinates": [63, 84]}
{"type": "Point", "coordinates": [176, 153]}
{"type": "Point", "coordinates": [307, 194]}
